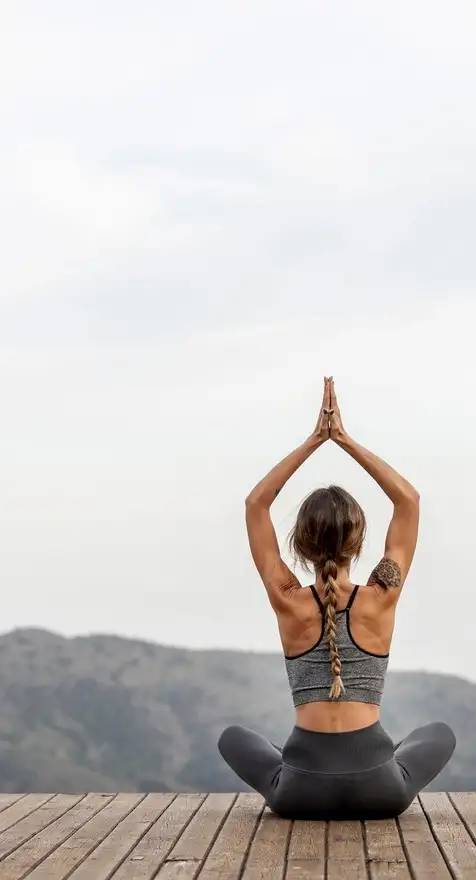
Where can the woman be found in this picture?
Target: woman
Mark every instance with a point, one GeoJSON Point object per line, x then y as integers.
{"type": "Point", "coordinates": [338, 762]}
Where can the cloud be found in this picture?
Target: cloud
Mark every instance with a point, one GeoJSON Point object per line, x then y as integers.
{"type": "Point", "coordinates": [295, 130]}
{"type": "Point", "coordinates": [203, 208]}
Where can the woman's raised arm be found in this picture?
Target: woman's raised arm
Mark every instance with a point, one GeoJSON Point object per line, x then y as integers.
{"type": "Point", "coordinates": [402, 534]}
{"type": "Point", "coordinates": [275, 574]}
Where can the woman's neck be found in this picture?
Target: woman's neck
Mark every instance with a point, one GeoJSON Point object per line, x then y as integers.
{"type": "Point", "coordinates": [342, 579]}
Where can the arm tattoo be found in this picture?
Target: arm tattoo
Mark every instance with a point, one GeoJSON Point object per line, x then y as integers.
{"type": "Point", "coordinates": [387, 574]}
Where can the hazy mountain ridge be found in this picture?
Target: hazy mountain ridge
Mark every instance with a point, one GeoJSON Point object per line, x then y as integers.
{"type": "Point", "coordinates": [110, 713]}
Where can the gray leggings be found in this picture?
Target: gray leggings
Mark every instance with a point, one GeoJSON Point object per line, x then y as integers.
{"type": "Point", "coordinates": [358, 774]}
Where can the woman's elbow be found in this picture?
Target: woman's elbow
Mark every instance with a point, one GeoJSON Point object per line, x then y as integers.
{"type": "Point", "coordinates": [255, 502]}
{"type": "Point", "coordinates": [410, 496]}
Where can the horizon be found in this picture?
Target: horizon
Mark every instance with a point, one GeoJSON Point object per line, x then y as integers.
{"type": "Point", "coordinates": [190, 243]}
{"type": "Point", "coordinates": [214, 649]}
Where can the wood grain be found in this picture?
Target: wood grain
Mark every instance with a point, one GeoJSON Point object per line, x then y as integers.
{"type": "Point", "coordinates": [386, 858]}
{"type": "Point", "coordinates": [307, 851]}
{"type": "Point", "coordinates": [168, 836]}
{"type": "Point", "coordinates": [267, 856]}
{"type": "Point", "coordinates": [346, 854]}
{"type": "Point", "coordinates": [421, 849]}
{"type": "Point", "coordinates": [458, 849]}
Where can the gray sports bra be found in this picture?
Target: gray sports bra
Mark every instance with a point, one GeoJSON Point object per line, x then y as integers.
{"type": "Point", "coordinates": [363, 673]}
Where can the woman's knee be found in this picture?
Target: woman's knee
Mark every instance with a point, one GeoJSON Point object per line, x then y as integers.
{"type": "Point", "coordinates": [229, 738]}
{"type": "Point", "coordinates": [444, 735]}
{"type": "Point", "coordinates": [436, 733]}
{"type": "Point", "coordinates": [435, 738]}
{"type": "Point", "coordinates": [426, 751]}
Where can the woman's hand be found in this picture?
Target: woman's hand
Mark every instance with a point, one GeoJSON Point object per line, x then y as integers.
{"type": "Point", "coordinates": [336, 428]}
{"type": "Point", "coordinates": [321, 432]}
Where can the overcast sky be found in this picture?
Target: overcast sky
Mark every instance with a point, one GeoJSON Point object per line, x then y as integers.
{"type": "Point", "coordinates": [204, 207]}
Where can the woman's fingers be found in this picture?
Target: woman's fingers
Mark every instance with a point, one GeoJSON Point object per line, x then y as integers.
{"type": "Point", "coordinates": [326, 394]}
{"type": "Point", "coordinates": [330, 402]}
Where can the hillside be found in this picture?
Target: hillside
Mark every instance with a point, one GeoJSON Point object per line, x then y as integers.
{"type": "Point", "coordinates": [107, 713]}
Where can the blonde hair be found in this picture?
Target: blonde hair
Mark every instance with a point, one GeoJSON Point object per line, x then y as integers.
{"type": "Point", "coordinates": [329, 532]}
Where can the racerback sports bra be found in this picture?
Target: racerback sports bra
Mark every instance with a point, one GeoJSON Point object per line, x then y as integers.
{"type": "Point", "coordinates": [363, 673]}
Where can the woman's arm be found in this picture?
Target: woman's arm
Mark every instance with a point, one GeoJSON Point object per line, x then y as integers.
{"type": "Point", "coordinates": [275, 574]}
{"type": "Point", "coordinates": [396, 487]}
{"type": "Point", "coordinates": [402, 534]}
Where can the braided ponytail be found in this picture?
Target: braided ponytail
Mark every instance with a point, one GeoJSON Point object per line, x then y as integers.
{"type": "Point", "coordinates": [329, 575]}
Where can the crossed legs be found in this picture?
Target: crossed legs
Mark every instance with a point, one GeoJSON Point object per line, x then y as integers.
{"type": "Point", "coordinates": [420, 757]}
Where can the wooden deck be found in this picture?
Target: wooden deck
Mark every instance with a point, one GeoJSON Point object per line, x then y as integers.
{"type": "Point", "coordinates": [227, 837]}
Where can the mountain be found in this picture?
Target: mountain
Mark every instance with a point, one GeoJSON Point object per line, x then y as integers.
{"type": "Point", "coordinates": [103, 713]}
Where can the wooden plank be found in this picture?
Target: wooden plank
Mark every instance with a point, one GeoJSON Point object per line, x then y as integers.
{"type": "Point", "coordinates": [111, 852]}
{"type": "Point", "coordinates": [421, 849]}
{"type": "Point", "coordinates": [179, 870]}
{"type": "Point", "coordinates": [184, 837]}
{"type": "Point", "coordinates": [145, 859]}
{"type": "Point", "coordinates": [24, 859]}
{"type": "Point", "coordinates": [187, 855]}
{"type": "Point", "coordinates": [31, 824]}
{"type": "Point", "coordinates": [458, 849]}
{"type": "Point", "coordinates": [307, 851]}
{"type": "Point", "coordinates": [62, 861]}
{"type": "Point", "coordinates": [226, 857]}
{"type": "Point", "coordinates": [6, 800]}
{"type": "Point", "coordinates": [267, 856]}
{"type": "Point", "coordinates": [465, 804]}
{"type": "Point", "coordinates": [21, 808]}
{"type": "Point", "coordinates": [385, 855]}
{"type": "Point", "coordinates": [346, 855]}
{"type": "Point", "coordinates": [197, 836]}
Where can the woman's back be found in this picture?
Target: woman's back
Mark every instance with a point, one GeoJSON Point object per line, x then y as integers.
{"type": "Point", "coordinates": [364, 627]}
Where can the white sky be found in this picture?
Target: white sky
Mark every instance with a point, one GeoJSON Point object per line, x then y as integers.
{"type": "Point", "coordinates": [204, 207]}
